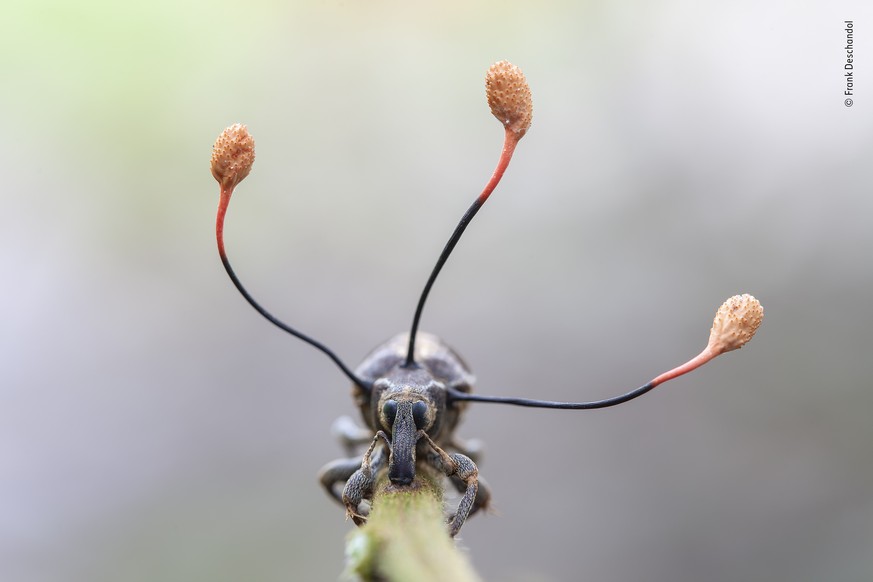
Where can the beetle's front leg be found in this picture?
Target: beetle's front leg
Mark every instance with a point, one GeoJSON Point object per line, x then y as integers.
{"type": "Point", "coordinates": [483, 495]}
{"type": "Point", "coordinates": [460, 466]}
{"type": "Point", "coordinates": [362, 483]}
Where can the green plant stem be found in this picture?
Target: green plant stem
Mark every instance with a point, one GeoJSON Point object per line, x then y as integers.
{"type": "Point", "coordinates": [406, 538]}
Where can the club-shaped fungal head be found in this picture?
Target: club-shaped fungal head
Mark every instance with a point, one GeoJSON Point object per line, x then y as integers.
{"type": "Point", "coordinates": [736, 321]}
{"type": "Point", "coordinates": [232, 156]}
{"type": "Point", "coordinates": [509, 97]}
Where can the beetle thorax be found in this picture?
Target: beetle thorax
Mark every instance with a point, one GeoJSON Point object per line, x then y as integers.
{"type": "Point", "coordinates": [436, 368]}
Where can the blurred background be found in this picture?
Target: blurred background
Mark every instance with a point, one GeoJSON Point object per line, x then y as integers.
{"type": "Point", "coordinates": [153, 427]}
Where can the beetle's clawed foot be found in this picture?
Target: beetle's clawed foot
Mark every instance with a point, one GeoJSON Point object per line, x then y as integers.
{"type": "Point", "coordinates": [359, 518]}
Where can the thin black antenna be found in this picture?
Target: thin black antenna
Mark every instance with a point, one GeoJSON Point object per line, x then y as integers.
{"type": "Point", "coordinates": [509, 143]}
{"type": "Point", "coordinates": [285, 327]}
{"type": "Point", "coordinates": [447, 250]}
{"type": "Point", "coordinates": [456, 395]}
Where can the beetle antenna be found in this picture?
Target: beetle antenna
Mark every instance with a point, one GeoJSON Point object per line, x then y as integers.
{"type": "Point", "coordinates": [232, 157]}
{"type": "Point", "coordinates": [736, 321]}
{"type": "Point", "coordinates": [510, 101]}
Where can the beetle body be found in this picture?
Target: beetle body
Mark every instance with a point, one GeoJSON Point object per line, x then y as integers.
{"type": "Point", "coordinates": [437, 367]}
{"type": "Point", "coordinates": [411, 422]}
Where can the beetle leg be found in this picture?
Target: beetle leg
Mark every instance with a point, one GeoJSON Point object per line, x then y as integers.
{"type": "Point", "coordinates": [362, 483]}
{"type": "Point", "coordinates": [460, 466]}
{"type": "Point", "coordinates": [350, 434]}
{"type": "Point", "coordinates": [483, 495]}
{"type": "Point", "coordinates": [473, 448]}
{"type": "Point", "coordinates": [338, 471]}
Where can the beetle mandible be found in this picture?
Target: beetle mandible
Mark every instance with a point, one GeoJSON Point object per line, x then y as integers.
{"type": "Point", "coordinates": [412, 390]}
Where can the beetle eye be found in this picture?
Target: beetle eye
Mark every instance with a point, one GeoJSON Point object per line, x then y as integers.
{"type": "Point", "coordinates": [389, 411]}
{"type": "Point", "coordinates": [419, 414]}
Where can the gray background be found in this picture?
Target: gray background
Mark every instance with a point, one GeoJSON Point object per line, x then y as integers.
{"type": "Point", "coordinates": [152, 427]}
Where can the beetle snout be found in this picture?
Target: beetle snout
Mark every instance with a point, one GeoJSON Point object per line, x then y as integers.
{"type": "Point", "coordinates": [401, 464]}
{"type": "Point", "coordinates": [402, 475]}
{"type": "Point", "coordinates": [404, 437]}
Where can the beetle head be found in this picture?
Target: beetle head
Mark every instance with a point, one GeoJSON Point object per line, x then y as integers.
{"type": "Point", "coordinates": [407, 402]}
